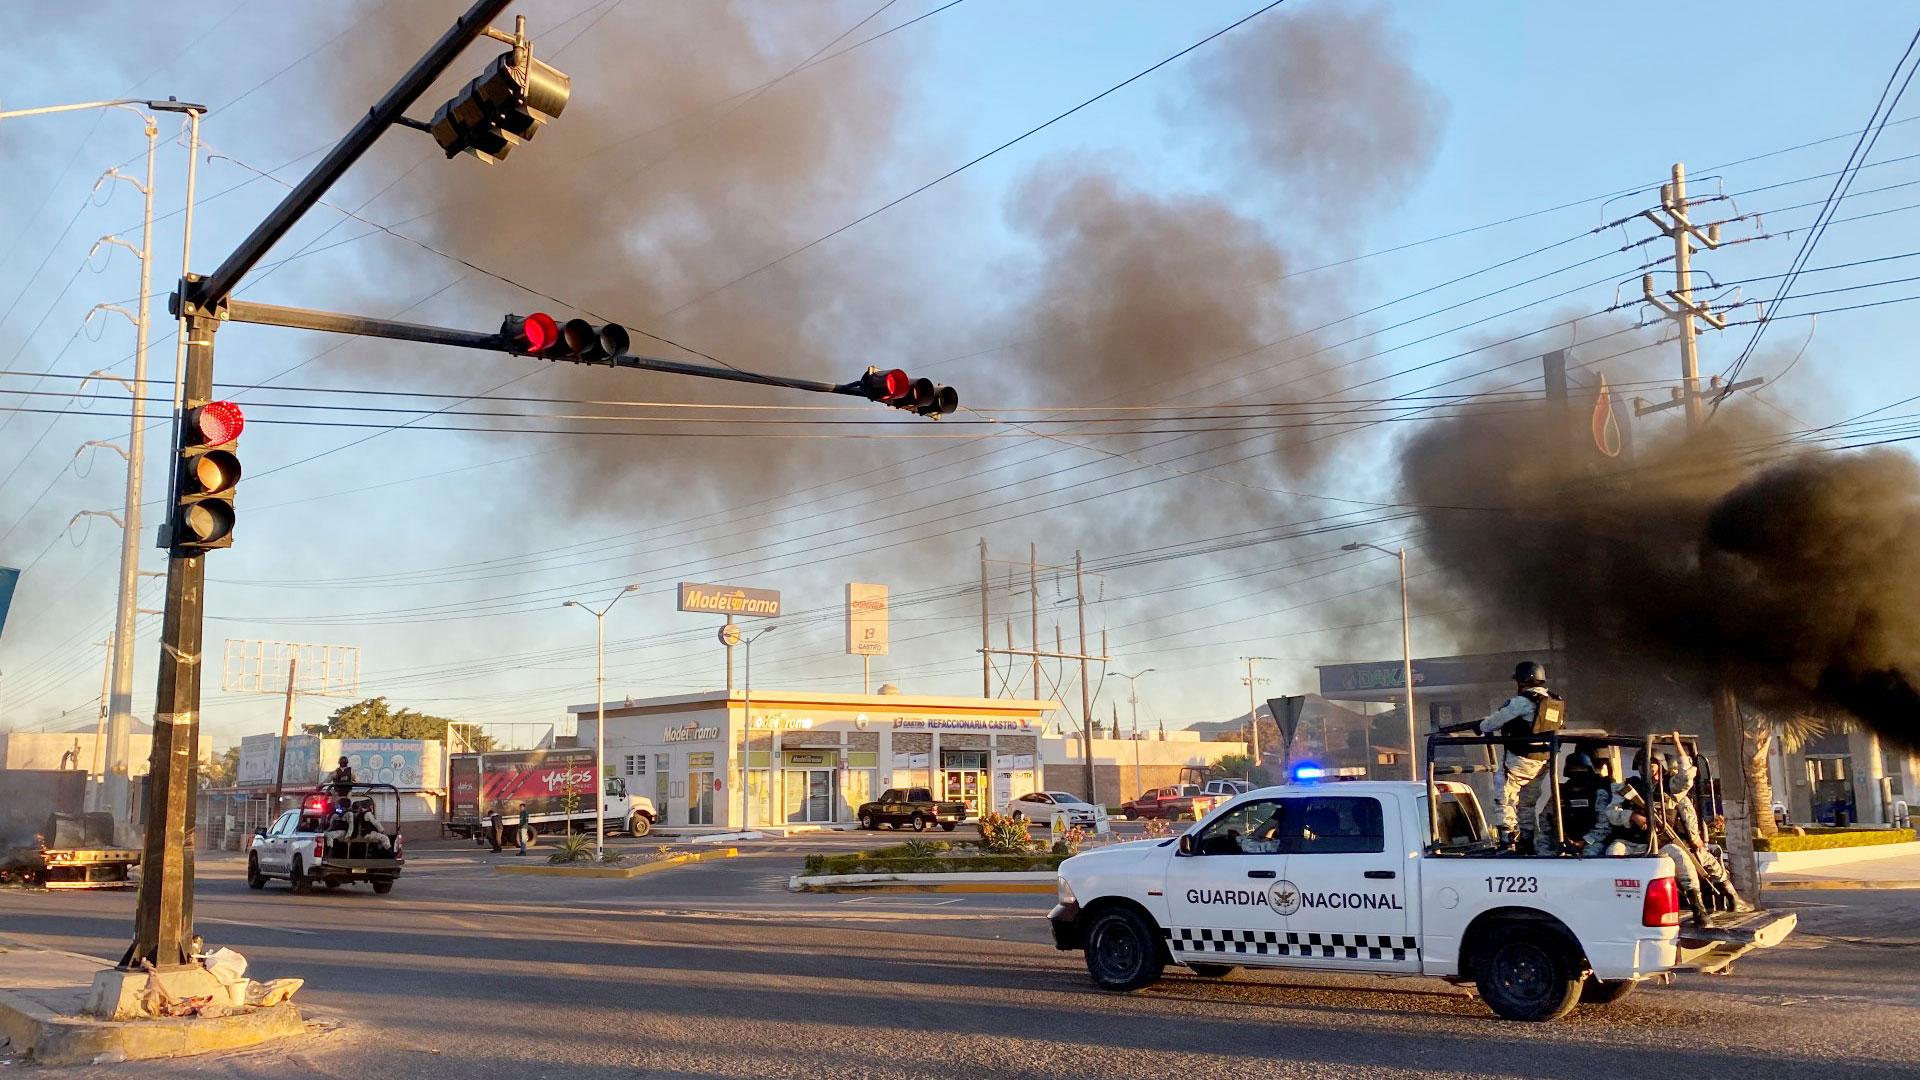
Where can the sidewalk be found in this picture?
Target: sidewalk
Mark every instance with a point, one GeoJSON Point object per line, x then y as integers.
{"type": "Point", "coordinates": [1897, 872]}
{"type": "Point", "coordinates": [42, 993]}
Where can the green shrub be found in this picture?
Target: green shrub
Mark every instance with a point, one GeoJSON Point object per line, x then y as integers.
{"type": "Point", "coordinates": [894, 860]}
{"type": "Point", "coordinates": [1004, 835]}
{"type": "Point", "coordinates": [574, 847]}
{"type": "Point", "coordinates": [1826, 841]}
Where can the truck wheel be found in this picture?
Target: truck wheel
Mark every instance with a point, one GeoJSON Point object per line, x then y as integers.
{"type": "Point", "coordinates": [333, 883]}
{"type": "Point", "coordinates": [1528, 973]}
{"type": "Point", "coordinates": [1605, 991]}
{"type": "Point", "coordinates": [639, 825]}
{"type": "Point", "coordinates": [302, 884]}
{"type": "Point", "coordinates": [1122, 952]}
{"type": "Point", "coordinates": [867, 822]}
{"type": "Point", "coordinates": [948, 825]}
{"type": "Point", "coordinates": [528, 836]}
{"type": "Point", "coordinates": [255, 879]}
{"type": "Point", "coordinates": [919, 823]}
{"type": "Point", "coordinates": [382, 886]}
{"type": "Point", "coordinates": [1213, 971]}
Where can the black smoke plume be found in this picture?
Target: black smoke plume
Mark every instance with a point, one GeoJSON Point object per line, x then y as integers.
{"type": "Point", "coordinates": [1791, 574]}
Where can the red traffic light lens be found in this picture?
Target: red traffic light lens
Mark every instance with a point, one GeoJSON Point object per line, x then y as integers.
{"type": "Point", "coordinates": [894, 385]}
{"type": "Point", "coordinates": [540, 332]}
{"type": "Point", "coordinates": [218, 422]}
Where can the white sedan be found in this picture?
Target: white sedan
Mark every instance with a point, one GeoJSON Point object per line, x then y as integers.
{"type": "Point", "coordinates": [1040, 806]}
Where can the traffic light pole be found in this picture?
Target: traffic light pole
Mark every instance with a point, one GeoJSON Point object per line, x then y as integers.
{"type": "Point", "coordinates": [163, 912]}
{"type": "Point", "coordinates": [243, 311]}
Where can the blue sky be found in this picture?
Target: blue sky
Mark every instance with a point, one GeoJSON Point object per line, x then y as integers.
{"type": "Point", "coordinates": [1533, 107]}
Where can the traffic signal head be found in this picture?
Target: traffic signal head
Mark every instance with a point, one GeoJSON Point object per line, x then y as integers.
{"type": "Point", "coordinates": [208, 472]}
{"type": "Point", "coordinates": [505, 105]}
{"type": "Point", "coordinates": [900, 390]}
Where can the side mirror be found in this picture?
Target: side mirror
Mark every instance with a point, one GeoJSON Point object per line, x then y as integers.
{"type": "Point", "coordinates": [261, 833]}
{"type": "Point", "coordinates": [1186, 843]}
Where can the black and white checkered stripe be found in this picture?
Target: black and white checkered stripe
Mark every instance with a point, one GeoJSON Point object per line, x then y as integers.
{"type": "Point", "coordinates": [1186, 939]}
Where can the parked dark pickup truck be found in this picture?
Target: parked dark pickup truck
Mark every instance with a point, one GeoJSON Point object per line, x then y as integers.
{"type": "Point", "coordinates": [1182, 802]}
{"type": "Point", "coordinates": [913, 808]}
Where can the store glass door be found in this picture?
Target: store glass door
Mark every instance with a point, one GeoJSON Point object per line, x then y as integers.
{"type": "Point", "coordinates": [965, 785]}
{"type": "Point", "coordinates": [700, 789]}
{"type": "Point", "coordinates": [809, 795]}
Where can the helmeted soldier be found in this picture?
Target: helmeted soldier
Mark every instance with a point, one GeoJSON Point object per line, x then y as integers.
{"type": "Point", "coordinates": [1703, 868]}
{"type": "Point", "coordinates": [1523, 776]}
{"type": "Point", "coordinates": [1665, 783]}
{"type": "Point", "coordinates": [1581, 797]}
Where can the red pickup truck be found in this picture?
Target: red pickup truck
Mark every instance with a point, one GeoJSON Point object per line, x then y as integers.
{"type": "Point", "coordinates": [1182, 802]}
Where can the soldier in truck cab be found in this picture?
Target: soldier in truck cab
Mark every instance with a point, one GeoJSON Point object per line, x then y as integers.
{"type": "Point", "coordinates": [1523, 777]}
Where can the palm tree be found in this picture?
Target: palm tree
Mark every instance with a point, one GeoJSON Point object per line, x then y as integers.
{"type": "Point", "coordinates": [1797, 727]}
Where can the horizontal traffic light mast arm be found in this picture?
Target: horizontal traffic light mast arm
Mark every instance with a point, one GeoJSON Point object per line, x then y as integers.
{"type": "Point", "coordinates": [357, 141]}
{"type": "Point", "coordinates": [246, 311]}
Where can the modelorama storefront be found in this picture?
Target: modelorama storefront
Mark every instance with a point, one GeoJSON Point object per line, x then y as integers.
{"type": "Point", "coordinates": [814, 758]}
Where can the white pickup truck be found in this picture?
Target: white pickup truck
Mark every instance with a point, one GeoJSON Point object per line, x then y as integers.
{"type": "Point", "coordinates": [1340, 877]}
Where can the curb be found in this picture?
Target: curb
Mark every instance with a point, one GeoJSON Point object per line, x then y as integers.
{"type": "Point", "coordinates": [51, 1039]}
{"type": "Point", "coordinates": [655, 866]}
{"type": "Point", "coordinates": [1039, 882]}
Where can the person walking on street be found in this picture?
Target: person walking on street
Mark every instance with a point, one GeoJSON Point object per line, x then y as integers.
{"type": "Point", "coordinates": [1523, 776]}
{"type": "Point", "coordinates": [524, 829]}
{"type": "Point", "coordinates": [496, 827]}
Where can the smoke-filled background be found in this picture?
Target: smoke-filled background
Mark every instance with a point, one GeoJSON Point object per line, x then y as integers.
{"type": "Point", "coordinates": [1177, 350]}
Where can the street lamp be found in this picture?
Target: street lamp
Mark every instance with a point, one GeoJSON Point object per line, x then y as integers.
{"type": "Point", "coordinates": [1133, 698]}
{"type": "Point", "coordinates": [746, 726]}
{"type": "Point", "coordinates": [1406, 649]}
{"type": "Point", "coordinates": [600, 713]}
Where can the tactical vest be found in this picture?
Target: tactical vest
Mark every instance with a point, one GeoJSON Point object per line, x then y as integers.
{"type": "Point", "coordinates": [1549, 714]}
{"type": "Point", "coordinates": [1578, 794]}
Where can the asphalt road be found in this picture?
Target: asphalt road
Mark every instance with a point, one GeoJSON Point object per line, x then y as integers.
{"type": "Point", "coordinates": [716, 971]}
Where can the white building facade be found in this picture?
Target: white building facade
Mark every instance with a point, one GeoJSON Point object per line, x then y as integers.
{"type": "Point", "coordinates": [812, 759]}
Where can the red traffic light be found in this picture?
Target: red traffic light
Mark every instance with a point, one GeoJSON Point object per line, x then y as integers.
{"type": "Point", "coordinates": [218, 422]}
{"type": "Point", "coordinates": [888, 386]}
{"type": "Point", "coordinates": [531, 334]}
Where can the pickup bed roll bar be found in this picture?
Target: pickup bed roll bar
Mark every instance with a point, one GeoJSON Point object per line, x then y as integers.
{"type": "Point", "coordinates": [1467, 735]}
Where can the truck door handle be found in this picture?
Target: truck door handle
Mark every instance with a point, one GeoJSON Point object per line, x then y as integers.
{"type": "Point", "coordinates": [1261, 873]}
{"type": "Point", "coordinates": [1379, 874]}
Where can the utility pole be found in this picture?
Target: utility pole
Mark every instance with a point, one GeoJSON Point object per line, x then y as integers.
{"type": "Point", "coordinates": [986, 631]}
{"type": "Point", "coordinates": [286, 729]}
{"type": "Point", "coordinates": [1033, 611]}
{"type": "Point", "coordinates": [1679, 305]}
{"type": "Point", "coordinates": [1253, 709]}
{"type": "Point", "coordinates": [1086, 692]}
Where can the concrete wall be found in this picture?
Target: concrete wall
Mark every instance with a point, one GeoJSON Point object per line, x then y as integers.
{"type": "Point", "coordinates": [44, 749]}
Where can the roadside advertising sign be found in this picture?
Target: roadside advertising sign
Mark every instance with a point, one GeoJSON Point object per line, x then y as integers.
{"type": "Point", "coordinates": [729, 600]}
{"type": "Point", "coordinates": [866, 619]}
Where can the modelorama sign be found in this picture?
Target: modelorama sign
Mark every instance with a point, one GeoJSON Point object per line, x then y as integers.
{"type": "Point", "coordinates": [729, 600]}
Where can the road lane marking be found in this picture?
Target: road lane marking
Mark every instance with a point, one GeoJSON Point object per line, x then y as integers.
{"type": "Point", "coordinates": [256, 926]}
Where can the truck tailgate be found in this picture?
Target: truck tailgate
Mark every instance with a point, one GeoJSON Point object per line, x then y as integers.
{"type": "Point", "coordinates": [1728, 936]}
{"type": "Point", "coordinates": [1756, 929]}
